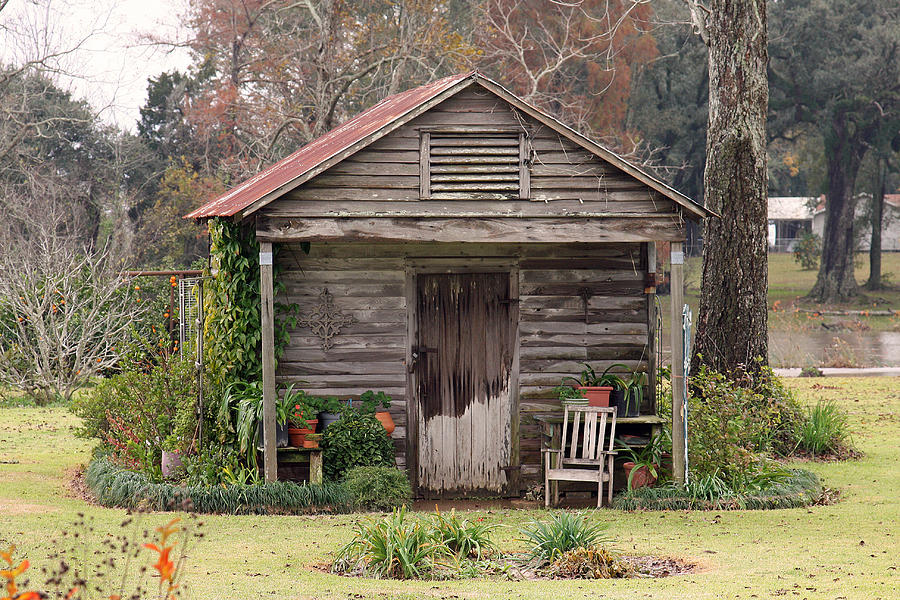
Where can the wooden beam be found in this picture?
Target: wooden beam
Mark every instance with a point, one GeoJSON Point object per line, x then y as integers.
{"type": "Point", "coordinates": [267, 312]}
{"type": "Point", "coordinates": [652, 366]}
{"type": "Point", "coordinates": [506, 230]}
{"type": "Point", "coordinates": [678, 383]}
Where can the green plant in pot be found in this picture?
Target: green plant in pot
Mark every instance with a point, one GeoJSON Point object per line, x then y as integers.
{"type": "Point", "coordinates": [570, 395]}
{"type": "Point", "coordinates": [331, 410]}
{"type": "Point", "coordinates": [634, 394]}
{"type": "Point", "coordinates": [594, 389]}
{"type": "Point", "coordinates": [371, 401]}
{"type": "Point", "coordinates": [643, 468]}
{"type": "Point", "coordinates": [618, 397]}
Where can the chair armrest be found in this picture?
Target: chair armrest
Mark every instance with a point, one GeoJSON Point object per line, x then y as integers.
{"type": "Point", "coordinates": [555, 450]}
{"type": "Point", "coordinates": [610, 452]}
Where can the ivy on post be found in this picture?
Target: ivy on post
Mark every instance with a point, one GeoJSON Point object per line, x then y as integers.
{"type": "Point", "coordinates": [267, 314]}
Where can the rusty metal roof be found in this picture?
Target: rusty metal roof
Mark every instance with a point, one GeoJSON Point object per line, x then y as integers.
{"type": "Point", "coordinates": [322, 148]}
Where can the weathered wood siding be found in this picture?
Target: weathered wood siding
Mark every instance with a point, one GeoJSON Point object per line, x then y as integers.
{"type": "Point", "coordinates": [565, 178]}
{"type": "Point", "coordinates": [578, 302]}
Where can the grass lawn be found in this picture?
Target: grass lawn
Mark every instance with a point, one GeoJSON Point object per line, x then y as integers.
{"type": "Point", "coordinates": [847, 550]}
{"type": "Point", "coordinates": [788, 284]}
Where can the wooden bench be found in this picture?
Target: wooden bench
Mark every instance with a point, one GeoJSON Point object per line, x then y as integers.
{"type": "Point", "coordinates": [291, 458]}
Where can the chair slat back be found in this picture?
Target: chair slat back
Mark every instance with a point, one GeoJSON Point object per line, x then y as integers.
{"type": "Point", "coordinates": [589, 428]}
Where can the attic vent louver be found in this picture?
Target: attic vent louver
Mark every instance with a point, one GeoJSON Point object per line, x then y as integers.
{"type": "Point", "coordinates": [474, 166]}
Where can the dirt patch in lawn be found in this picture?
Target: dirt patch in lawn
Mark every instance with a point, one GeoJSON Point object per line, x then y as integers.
{"type": "Point", "coordinates": [76, 487]}
{"type": "Point", "coordinates": [518, 567]}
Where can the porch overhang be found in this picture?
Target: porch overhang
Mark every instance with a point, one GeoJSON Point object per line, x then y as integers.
{"type": "Point", "coordinates": [613, 227]}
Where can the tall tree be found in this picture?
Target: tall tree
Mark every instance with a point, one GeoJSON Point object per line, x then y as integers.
{"type": "Point", "coordinates": [732, 323]}
{"type": "Point", "coordinates": [837, 65]}
{"type": "Point", "coordinates": [573, 59]}
{"type": "Point", "coordinates": [668, 102]}
{"type": "Point", "coordinates": [284, 72]}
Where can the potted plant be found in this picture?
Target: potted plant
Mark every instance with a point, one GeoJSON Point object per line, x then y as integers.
{"type": "Point", "coordinates": [331, 411]}
{"type": "Point", "coordinates": [370, 402]}
{"type": "Point", "coordinates": [302, 421]}
{"type": "Point", "coordinates": [570, 395]}
{"type": "Point", "coordinates": [618, 397]}
{"type": "Point", "coordinates": [596, 392]}
{"type": "Point", "coordinates": [634, 394]}
{"type": "Point", "coordinates": [643, 468]}
{"type": "Point", "coordinates": [171, 464]}
{"type": "Point", "coordinates": [248, 398]}
{"type": "Point", "coordinates": [312, 440]}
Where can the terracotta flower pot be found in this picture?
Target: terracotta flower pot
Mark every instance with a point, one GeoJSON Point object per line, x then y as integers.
{"type": "Point", "coordinates": [642, 477]}
{"type": "Point", "coordinates": [596, 396]}
{"type": "Point", "coordinates": [297, 435]}
{"type": "Point", "coordinates": [387, 421]}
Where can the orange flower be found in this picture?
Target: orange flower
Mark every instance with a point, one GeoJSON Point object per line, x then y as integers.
{"type": "Point", "coordinates": [168, 529]}
{"type": "Point", "coordinates": [164, 565]}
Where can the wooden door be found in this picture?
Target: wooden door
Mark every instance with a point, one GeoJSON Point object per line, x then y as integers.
{"type": "Point", "coordinates": [463, 359]}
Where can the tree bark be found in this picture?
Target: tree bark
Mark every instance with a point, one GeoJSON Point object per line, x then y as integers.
{"type": "Point", "coordinates": [874, 282]}
{"type": "Point", "coordinates": [843, 152]}
{"type": "Point", "coordinates": [732, 323]}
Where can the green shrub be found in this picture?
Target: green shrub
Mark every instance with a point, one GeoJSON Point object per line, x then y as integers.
{"type": "Point", "coordinates": [142, 411]}
{"type": "Point", "coordinates": [795, 489]}
{"type": "Point", "coordinates": [356, 440]}
{"type": "Point", "coordinates": [807, 251]}
{"type": "Point", "coordinates": [395, 546]}
{"type": "Point", "coordinates": [563, 532]}
{"type": "Point", "coordinates": [825, 430]}
{"type": "Point", "coordinates": [464, 538]}
{"type": "Point", "coordinates": [378, 488]}
{"type": "Point", "coordinates": [734, 422]}
{"type": "Point", "coordinates": [112, 485]}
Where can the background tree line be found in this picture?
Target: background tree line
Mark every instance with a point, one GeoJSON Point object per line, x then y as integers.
{"type": "Point", "coordinates": [268, 76]}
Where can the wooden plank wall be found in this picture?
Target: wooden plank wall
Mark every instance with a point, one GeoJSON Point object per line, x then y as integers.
{"type": "Point", "coordinates": [555, 282]}
{"type": "Point", "coordinates": [565, 178]}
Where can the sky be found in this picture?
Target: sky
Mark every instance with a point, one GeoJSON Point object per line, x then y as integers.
{"type": "Point", "coordinates": [113, 50]}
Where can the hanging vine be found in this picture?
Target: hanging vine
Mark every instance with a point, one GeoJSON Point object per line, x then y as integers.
{"type": "Point", "coordinates": [232, 329]}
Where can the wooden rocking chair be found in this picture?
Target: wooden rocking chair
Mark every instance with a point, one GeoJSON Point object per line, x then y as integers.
{"type": "Point", "coordinates": [590, 461]}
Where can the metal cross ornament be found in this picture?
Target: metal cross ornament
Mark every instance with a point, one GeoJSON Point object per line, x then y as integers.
{"type": "Point", "coordinates": [325, 320]}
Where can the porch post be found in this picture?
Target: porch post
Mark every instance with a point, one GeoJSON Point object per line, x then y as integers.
{"type": "Point", "coordinates": [267, 309]}
{"type": "Point", "coordinates": [677, 297]}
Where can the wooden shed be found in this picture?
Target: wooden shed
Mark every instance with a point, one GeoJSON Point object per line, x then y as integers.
{"type": "Point", "coordinates": [466, 252]}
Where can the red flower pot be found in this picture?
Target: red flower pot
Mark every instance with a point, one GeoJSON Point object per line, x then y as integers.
{"type": "Point", "coordinates": [642, 477]}
{"type": "Point", "coordinates": [297, 435]}
{"type": "Point", "coordinates": [596, 396]}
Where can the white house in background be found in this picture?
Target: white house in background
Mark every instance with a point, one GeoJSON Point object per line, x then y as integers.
{"type": "Point", "coordinates": [789, 218]}
{"type": "Point", "coordinates": [792, 216]}
{"type": "Point", "coordinates": [890, 224]}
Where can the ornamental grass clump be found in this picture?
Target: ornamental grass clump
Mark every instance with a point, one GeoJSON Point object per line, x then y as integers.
{"type": "Point", "coordinates": [464, 538]}
{"type": "Point", "coordinates": [825, 431]}
{"type": "Point", "coordinates": [561, 533]}
{"type": "Point", "coordinates": [395, 547]}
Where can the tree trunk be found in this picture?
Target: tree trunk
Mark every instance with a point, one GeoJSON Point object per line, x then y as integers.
{"type": "Point", "coordinates": [874, 282]}
{"type": "Point", "coordinates": [843, 152]}
{"type": "Point", "coordinates": [732, 323]}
